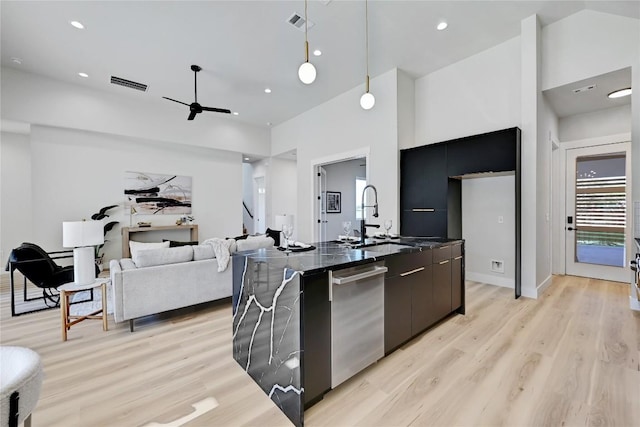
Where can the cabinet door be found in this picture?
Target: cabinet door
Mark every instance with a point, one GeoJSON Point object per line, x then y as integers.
{"type": "Point", "coordinates": [422, 315]}
{"type": "Point", "coordinates": [489, 152]}
{"type": "Point", "coordinates": [423, 177]}
{"type": "Point", "coordinates": [441, 288]}
{"type": "Point", "coordinates": [397, 312]}
{"type": "Point", "coordinates": [456, 282]}
{"type": "Point", "coordinates": [423, 224]}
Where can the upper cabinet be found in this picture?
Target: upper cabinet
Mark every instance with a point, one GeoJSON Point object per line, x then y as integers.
{"type": "Point", "coordinates": [488, 152]}
{"type": "Point", "coordinates": [423, 177]}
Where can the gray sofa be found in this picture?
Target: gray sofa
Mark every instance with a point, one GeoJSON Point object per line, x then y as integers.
{"type": "Point", "coordinates": [157, 280]}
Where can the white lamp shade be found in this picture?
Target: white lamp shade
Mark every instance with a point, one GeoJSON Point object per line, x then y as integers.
{"type": "Point", "coordinates": [77, 234]}
{"type": "Point", "coordinates": [367, 101]}
{"type": "Point", "coordinates": [307, 73]}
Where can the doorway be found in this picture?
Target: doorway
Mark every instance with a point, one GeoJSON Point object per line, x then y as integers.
{"type": "Point", "coordinates": [597, 195]}
{"type": "Point", "coordinates": [260, 204]}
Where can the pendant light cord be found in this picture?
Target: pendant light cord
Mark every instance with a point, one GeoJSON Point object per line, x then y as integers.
{"type": "Point", "coordinates": [306, 27]}
{"type": "Point", "coordinates": [366, 23]}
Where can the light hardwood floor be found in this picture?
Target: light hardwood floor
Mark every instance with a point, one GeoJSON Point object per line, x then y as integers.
{"type": "Point", "coordinates": [570, 358]}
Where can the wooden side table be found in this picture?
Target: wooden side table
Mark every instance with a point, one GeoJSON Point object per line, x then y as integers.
{"type": "Point", "coordinates": [67, 290]}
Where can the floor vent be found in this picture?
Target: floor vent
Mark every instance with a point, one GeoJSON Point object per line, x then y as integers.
{"type": "Point", "coordinates": [297, 21]}
{"type": "Point", "coordinates": [128, 83]}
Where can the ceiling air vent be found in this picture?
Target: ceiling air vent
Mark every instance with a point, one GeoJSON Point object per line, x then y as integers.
{"type": "Point", "coordinates": [297, 20]}
{"type": "Point", "coordinates": [128, 83]}
{"type": "Point", "coordinates": [585, 88]}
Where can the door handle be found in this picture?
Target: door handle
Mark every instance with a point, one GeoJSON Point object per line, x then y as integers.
{"type": "Point", "coordinates": [571, 228]}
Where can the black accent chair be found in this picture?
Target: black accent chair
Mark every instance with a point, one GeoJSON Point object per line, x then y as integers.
{"type": "Point", "coordinates": [39, 267]}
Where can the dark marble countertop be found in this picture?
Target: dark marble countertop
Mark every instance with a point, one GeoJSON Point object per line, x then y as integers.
{"type": "Point", "coordinates": [333, 255]}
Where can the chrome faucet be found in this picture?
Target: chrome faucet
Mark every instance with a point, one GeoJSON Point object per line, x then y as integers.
{"type": "Point", "coordinates": [363, 226]}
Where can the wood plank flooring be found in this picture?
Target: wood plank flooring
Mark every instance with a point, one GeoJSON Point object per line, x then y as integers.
{"type": "Point", "coordinates": [570, 358]}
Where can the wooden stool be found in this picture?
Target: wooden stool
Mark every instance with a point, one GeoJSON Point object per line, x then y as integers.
{"type": "Point", "coordinates": [69, 289]}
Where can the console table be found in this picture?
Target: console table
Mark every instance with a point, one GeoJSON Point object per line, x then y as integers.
{"type": "Point", "coordinates": [127, 231]}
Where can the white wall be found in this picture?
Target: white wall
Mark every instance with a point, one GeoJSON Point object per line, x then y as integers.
{"type": "Point", "coordinates": [342, 177]}
{"type": "Point", "coordinates": [15, 192]}
{"type": "Point", "coordinates": [610, 121]}
{"type": "Point", "coordinates": [476, 95]}
{"type": "Point", "coordinates": [587, 44]}
{"type": "Point", "coordinates": [340, 126]}
{"type": "Point", "coordinates": [34, 99]}
{"type": "Point", "coordinates": [283, 189]}
{"type": "Point", "coordinates": [486, 239]}
{"type": "Point", "coordinates": [74, 173]}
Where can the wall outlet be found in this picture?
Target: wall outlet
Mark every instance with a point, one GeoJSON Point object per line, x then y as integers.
{"type": "Point", "coordinates": [497, 266]}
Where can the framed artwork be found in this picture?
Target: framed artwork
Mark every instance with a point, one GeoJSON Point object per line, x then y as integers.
{"type": "Point", "coordinates": [153, 194]}
{"type": "Point", "coordinates": [334, 202]}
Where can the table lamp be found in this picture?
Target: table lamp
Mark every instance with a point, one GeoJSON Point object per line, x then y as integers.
{"type": "Point", "coordinates": [83, 236]}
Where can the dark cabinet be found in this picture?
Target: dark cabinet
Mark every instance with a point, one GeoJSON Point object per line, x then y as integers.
{"type": "Point", "coordinates": [397, 316]}
{"type": "Point", "coordinates": [423, 223]}
{"type": "Point", "coordinates": [457, 277]}
{"type": "Point", "coordinates": [488, 152]}
{"type": "Point", "coordinates": [316, 333]}
{"type": "Point", "coordinates": [441, 281]}
{"type": "Point", "coordinates": [423, 177]}
{"type": "Point", "coordinates": [422, 315]}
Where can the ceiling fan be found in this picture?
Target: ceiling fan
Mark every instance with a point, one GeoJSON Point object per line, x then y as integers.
{"type": "Point", "coordinates": [194, 107]}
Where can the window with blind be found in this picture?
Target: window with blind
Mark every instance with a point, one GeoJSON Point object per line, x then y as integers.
{"type": "Point", "coordinates": [600, 210]}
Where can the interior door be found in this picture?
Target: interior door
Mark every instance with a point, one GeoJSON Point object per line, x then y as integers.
{"type": "Point", "coordinates": [596, 224]}
{"type": "Point", "coordinates": [321, 176]}
{"type": "Point", "coordinates": [260, 203]}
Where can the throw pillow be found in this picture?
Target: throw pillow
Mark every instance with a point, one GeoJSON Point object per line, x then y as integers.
{"type": "Point", "coordinates": [275, 235]}
{"type": "Point", "coordinates": [175, 243]}
{"type": "Point", "coordinates": [134, 246]}
{"type": "Point", "coordinates": [162, 256]}
{"type": "Point", "coordinates": [201, 252]}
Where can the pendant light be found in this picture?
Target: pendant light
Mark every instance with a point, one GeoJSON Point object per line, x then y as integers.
{"type": "Point", "coordinates": [367, 100]}
{"type": "Point", "coordinates": [306, 72]}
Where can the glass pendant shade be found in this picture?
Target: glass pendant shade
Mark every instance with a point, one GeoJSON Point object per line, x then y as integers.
{"type": "Point", "coordinates": [367, 101]}
{"type": "Point", "coordinates": [307, 73]}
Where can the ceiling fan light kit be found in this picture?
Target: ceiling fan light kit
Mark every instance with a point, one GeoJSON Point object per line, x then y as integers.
{"type": "Point", "coordinates": [306, 71]}
{"type": "Point", "coordinates": [367, 100]}
{"type": "Point", "coordinates": [195, 107]}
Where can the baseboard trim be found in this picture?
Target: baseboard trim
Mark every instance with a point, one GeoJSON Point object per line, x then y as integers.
{"type": "Point", "coordinates": [545, 284]}
{"type": "Point", "coordinates": [634, 304]}
{"type": "Point", "coordinates": [504, 282]}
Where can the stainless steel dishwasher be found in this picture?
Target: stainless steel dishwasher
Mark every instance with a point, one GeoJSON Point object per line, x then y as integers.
{"type": "Point", "coordinates": [357, 319]}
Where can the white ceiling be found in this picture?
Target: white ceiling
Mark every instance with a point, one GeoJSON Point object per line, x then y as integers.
{"type": "Point", "coordinates": [245, 46]}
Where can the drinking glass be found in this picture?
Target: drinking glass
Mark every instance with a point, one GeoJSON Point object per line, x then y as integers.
{"type": "Point", "coordinates": [346, 227]}
{"type": "Point", "coordinates": [287, 231]}
{"type": "Point", "coordinates": [387, 226]}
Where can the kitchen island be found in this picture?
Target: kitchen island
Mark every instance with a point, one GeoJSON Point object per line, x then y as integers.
{"type": "Point", "coordinates": [284, 329]}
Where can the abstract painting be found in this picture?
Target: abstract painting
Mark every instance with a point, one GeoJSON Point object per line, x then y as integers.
{"type": "Point", "coordinates": [153, 194]}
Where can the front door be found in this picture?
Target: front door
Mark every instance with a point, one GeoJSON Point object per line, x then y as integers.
{"type": "Point", "coordinates": [597, 196]}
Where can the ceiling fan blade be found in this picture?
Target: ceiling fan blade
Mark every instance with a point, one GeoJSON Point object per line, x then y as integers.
{"type": "Point", "coordinates": [192, 115]}
{"type": "Point", "coordinates": [175, 100]}
{"type": "Point", "coordinates": [217, 110]}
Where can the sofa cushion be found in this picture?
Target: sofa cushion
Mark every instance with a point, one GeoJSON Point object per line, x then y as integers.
{"type": "Point", "coordinates": [161, 256]}
{"type": "Point", "coordinates": [201, 252]}
{"type": "Point", "coordinates": [254, 242]}
{"type": "Point", "coordinates": [127, 264]}
{"type": "Point", "coordinates": [134, 247]}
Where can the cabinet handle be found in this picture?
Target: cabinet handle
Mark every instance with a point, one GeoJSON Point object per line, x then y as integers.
{"type": "Point", "coordinates": [407, 273]}
{"type": "Point", "coordinates": [458, 257]}
{"type": "Point", "coordinates": [443, 262]}
{"type": "Point", "coordinates": [423, 210]}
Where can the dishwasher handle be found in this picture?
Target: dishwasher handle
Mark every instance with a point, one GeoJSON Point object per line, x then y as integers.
{"type": "Point", "coordinates": [343, 280]}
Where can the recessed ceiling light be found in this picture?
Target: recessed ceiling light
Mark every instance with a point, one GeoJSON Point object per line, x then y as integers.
{"type": "Point", "coordinates": [246, 158]}
{"type": "Point", "coordinates": [620, 93]}
{"type": "Point", "coordinates": [267, 90]}
{"type": "Point", "coordinates": [16, 60]}
{"type": "Point", "coordinates": [77, 24]}
{"type": "Point", "coordinates": [85, 75]}
{"type": "Point", "coordinates": [317, 52]}
{"type": "Point", "coordinates": [442, 25]}
{"type": "Point", "coordinates": [235, 113]}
